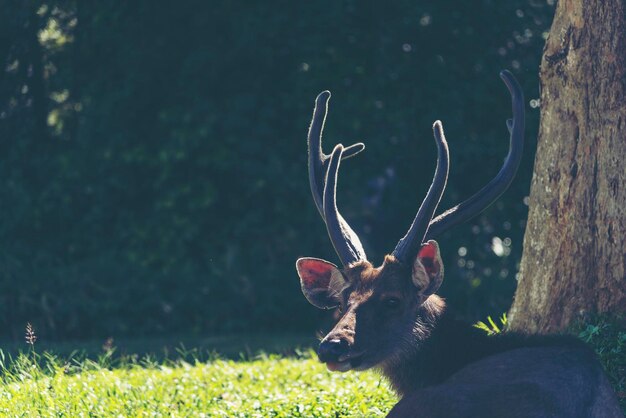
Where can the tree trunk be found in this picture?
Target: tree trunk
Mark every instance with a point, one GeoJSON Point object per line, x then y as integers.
{"type": "Point", "coordinates": [574, 255]}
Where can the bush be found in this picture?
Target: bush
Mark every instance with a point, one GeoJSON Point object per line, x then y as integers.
{"type": "Point", "coordinates": [153, 158]}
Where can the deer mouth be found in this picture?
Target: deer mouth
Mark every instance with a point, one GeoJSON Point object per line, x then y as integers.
{"type": "Point", "coordinates": [345, 363]}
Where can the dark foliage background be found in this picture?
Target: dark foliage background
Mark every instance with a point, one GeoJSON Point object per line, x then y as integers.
{"type": "Point", "coordinates": [153, 154]}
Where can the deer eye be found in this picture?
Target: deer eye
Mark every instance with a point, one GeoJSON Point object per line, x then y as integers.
{"type": "Point", "coordinates": [391, 303]}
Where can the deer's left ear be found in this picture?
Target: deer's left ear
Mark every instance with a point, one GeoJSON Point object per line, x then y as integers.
{"type": "Point", "coordinates": [428, 269]}
{"type": "Point", "coordinates": [321, 281]}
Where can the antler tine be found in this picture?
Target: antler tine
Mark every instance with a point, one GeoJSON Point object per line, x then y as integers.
{"type": "Point", "coordinates": [346, 242]}
{"type": "Point", "coordinates": [488, 194]}
{"type": "Point", "coordinates": [318, 161]}
{"type": "Point", "coordinates": [408, 247]}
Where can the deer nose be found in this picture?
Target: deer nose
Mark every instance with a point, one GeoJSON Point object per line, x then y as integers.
{"type": "Point", "coordinates": [331, 350]}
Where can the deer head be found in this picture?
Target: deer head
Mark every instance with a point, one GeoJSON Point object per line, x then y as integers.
{"type": "Point", "coordinates": [387, 310]}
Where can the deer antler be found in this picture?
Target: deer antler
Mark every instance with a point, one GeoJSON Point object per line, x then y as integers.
{"type": "Point", "coordinates": [424, 227]}
{"type": "Point", "coordinates": [488, 194]}
{"type": "Point", "coordinates": [346, 242]}
{"type": "Point", "coordinates": [320, 168]}
{"type": "Point", "coordinates": [408, 247]}
{"type": "Point", "coordinates": [318, 161]}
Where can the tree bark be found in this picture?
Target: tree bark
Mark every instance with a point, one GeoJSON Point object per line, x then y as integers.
{"type": "Point", "coordinates": [574, 256]}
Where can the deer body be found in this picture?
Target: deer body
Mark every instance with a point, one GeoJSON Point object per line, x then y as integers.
{"type": "Point", "coordinates": [554, 381]}
{"type": "Point", "coordinates": [459, 371]}
{"type": "Point", "coordinates": [391, 319]}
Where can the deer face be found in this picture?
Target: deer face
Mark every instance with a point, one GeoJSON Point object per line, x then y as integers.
{"type": "Point", "coordinates": [379, 306]}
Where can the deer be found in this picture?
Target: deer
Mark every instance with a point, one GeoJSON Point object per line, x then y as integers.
{"type": "Point", "coordinates": [390, 318]}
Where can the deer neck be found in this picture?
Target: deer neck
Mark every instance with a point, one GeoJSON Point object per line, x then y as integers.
{"type": "Point", "coordinates": [439, 346]}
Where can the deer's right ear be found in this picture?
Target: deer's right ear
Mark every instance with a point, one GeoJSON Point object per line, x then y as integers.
{"type": "Point", "coordinates": [321, 281]}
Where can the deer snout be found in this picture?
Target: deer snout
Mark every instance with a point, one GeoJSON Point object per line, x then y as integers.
{"type": "Point", "coordinates": [331, 350]}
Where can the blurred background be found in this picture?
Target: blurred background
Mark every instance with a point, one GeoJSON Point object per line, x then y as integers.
{"type": "Point", "coordinates": [153, 177]}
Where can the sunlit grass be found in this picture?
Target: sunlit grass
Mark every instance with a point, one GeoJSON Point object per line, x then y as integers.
{"type": "Point", "coordinates": [490, 327]}
{"type": "Point", "coordinates": [34, 385]}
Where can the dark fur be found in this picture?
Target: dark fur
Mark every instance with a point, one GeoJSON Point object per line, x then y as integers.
{"type": "Point", "coordinates": [552, 381]}
{"type": "Point", "coordinates": [460, 371]}
{"type": "Point", "coordinates": [453, 344]}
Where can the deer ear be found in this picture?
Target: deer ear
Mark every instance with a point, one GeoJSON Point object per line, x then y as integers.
{"type": "Point", "coordinates": [321, 281]}
{"type": "Point", "coordinates": [428, 269]}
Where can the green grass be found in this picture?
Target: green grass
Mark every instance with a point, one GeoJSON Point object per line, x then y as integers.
{"type": "Point", "coordinates": [490, 327]}
{"type": "Point", "coordinates": [608, 337]}
{"type": "Point", "coordinates": [106, 382]}
{"type": "Point", "coordinates": [268, 386]}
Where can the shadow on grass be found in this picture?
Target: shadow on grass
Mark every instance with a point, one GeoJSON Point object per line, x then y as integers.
{"type": "Point", "coordinates": [235, 347]}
